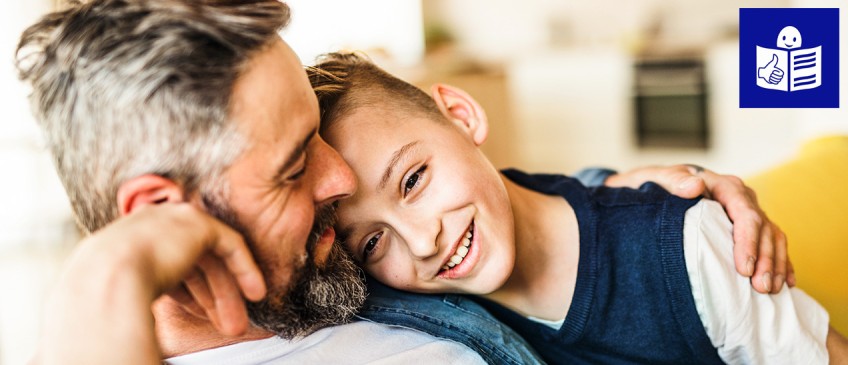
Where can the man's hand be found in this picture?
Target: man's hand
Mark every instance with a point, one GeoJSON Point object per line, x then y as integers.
{"type": "Point", "coordinates": [760, 247]}
{"type": "Point", "coordinates": [100, 310]}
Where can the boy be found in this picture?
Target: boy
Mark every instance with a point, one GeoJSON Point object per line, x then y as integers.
{"type": "Point", "coordinates": [585, 275]}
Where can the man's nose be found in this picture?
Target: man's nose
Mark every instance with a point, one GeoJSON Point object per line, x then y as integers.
{"type": "Point", "coordinates": [334, 178]}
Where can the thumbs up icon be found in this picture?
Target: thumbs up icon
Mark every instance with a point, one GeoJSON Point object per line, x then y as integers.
{"type": "Point", "coordinates": [770, 72]}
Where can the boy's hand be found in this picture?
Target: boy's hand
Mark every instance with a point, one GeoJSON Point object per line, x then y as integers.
{"type": "Point", "coordinates": [760, 247]}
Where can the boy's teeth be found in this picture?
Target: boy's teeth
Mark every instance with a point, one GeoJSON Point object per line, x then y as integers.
{"type": "Point", "coordinates": [461, 251]}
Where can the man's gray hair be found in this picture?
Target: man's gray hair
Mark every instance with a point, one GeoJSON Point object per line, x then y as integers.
{"type": "Point", "coordinates": [123, 88]}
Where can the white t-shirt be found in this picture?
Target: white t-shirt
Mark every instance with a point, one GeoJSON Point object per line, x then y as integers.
{"type": "Point", "coordinates": [746, 327]}
{"type": "Point", "coordinates": [354, 343]}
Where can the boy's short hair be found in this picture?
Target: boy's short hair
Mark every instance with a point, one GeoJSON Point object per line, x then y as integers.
{"type": "Point", "coordinates": [346, 81]}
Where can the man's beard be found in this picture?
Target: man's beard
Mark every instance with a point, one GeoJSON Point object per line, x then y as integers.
{"type": "Point", "coordinates": [316, 297]}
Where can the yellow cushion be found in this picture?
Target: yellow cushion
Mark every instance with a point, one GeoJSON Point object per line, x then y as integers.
{"type": "Point", "coordinates": [808, 198]}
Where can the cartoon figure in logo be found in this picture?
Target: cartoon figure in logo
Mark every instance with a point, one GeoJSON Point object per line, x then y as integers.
{"type": "Point", "coordinates": [788, 38]}
{"type": "Point", "coordinates": [788, 67]}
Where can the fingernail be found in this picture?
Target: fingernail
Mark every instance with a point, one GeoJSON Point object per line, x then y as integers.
{"type": "Point", "coordinates": [778, 279]}
{"type": "Point", "coordinates": [767, 281]}
{"type": "Point", "coordinates": [692, 180]}
{"type": "Point", "coordinates": [750, 265]}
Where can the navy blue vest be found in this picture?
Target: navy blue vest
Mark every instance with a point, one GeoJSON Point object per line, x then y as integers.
{"type": "Point", "coordinates": [632, 301]}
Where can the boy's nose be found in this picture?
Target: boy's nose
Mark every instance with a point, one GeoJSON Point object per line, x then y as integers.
{"type": "Point", "coordinates": [422, 246]}
{"type": "Point", "coordinates": [419, 232]}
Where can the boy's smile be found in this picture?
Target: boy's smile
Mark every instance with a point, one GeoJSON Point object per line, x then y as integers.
{"type": "Point", "coordinates": [461, 261]}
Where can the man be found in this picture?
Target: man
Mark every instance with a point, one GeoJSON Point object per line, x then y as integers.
{"type": "Point", "coordinates": [161, 113]}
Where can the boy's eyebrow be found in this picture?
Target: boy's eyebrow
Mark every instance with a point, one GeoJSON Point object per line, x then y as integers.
{"type": "Point", "coordinates": [390, 167]}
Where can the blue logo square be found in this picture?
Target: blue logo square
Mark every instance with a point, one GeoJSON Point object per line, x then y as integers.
{"type": "Point", "coordinates": [788, 58]}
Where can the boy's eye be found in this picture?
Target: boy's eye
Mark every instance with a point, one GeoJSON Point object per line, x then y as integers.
{"type": "Point", "coordinates": [413, 180]}
{"type": "Point", "coordinates": [371, 245]}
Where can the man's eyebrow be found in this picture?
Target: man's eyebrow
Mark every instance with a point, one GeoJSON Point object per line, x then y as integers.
{"type": "Point", "coordinates": [390, 167]}
{"type": "Point", "coordinates": [294, 156]}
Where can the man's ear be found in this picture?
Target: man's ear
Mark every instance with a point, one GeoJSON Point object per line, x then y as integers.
{"type": "Point", "coordinates": [461, 109]}
{"type": "Point", "coordinates": [147, 189]}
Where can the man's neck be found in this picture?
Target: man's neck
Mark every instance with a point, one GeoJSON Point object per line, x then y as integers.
{"type": "Point", "coordinates": [180, 332]}
{"type": "Point", "coordinates": [547, 245]}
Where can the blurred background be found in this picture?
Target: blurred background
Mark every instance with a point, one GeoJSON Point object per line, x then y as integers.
{"type": "Point", "coordinates": [566, 84]}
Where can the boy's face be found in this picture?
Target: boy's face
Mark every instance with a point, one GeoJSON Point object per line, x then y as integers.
{"type": "Point", "coordinates": [424, 189]}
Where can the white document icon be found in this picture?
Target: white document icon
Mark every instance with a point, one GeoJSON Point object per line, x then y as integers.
{"type": "Point", "coordinates": [789, 70]}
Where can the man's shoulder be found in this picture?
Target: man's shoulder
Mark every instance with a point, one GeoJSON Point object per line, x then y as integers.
{"type": "Point", "coordinates": [356, 342]}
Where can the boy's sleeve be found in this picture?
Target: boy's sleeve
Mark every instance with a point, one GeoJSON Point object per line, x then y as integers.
{"type": "Point", "coordinates": [747, 327]}
{"type": "Point", "coordinates": [593, 176]}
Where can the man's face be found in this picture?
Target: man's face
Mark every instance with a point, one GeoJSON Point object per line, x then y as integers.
{"type": "Point", "coordinates": [286, 177]}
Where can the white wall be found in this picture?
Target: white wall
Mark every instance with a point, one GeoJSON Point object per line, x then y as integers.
{"type": "Point", "coordinates": [32, 199]}
{"type": "Point", "coordinates": [35, 218]}
{"type": "Point", "coordinates": [390, 29]}
{"type": "Point", "coordinates": [574, 109]}
{"type": "Point", "coordinates": [571, 108]}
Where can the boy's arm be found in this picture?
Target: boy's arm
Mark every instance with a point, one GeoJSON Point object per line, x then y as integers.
{"type": "Point", "coordinates": [760, 250]}
{"type": "Point", "coordinates": [788, 327]}
{"type": "Point", "coordinates": [837, 347]}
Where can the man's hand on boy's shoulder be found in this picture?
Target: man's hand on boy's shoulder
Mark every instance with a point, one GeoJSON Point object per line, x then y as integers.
{"type": "Point", "coordinates": [760, 247]}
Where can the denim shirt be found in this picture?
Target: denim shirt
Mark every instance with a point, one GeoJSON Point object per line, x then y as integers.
{"type": "Point", "coordinates": [456, 317]}
{"type": "Point", "coordinates": [448, 316]}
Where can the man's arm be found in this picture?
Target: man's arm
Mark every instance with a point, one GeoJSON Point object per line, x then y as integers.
{"type": "Point", "coordinates": [760, 247]}
{"type": "Point", "coordinates": [100, 310]}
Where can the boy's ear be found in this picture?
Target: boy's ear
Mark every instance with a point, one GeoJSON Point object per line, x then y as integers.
{"type": "Point", "coordinates": [461, 109]}
{"type": "Point", "coordinates": [147, 189]}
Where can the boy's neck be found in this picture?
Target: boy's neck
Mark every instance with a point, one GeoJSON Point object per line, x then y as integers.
{"type": "Point", "coordinates": [547, 246]}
